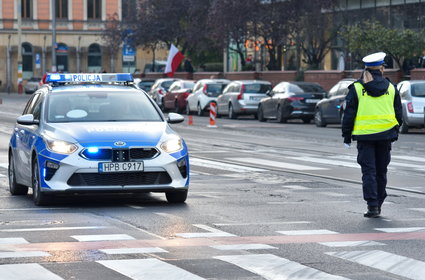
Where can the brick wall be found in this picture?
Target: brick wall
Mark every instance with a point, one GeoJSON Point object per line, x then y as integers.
{"type": "Point", "coordinates": [327, 79]}
{"type": "Point", "coordinates": [417, 74]}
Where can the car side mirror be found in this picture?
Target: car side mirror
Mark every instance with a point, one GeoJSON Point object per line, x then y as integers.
{"type": "Point", "coordinates": [175, 118]}
{"type": "Point", "coordinates": [27, 119]}
{"type": "Point", "coordinates": [269, 93]}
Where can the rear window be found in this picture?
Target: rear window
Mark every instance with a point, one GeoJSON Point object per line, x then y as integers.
{"type": "Point", "coordinates": [215, 88]}
{"type": "Point", "coordinates": [100, 107]}
{"type": "Point", "coordinates": [257, 88]}
{"type": "Point", "coordinates": [188, 85]}
{"type": "Point", "coordinates": [418, 90]}
{"type": "Point", "coordinates": [166, 85]}
{"type": "Point", "coordinates": [300, 88]}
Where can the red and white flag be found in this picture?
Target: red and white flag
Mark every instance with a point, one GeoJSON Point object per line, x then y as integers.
{"type": "Point", "coordinates": [173, 61]}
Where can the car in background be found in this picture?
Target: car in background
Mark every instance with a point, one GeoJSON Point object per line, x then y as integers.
{"type": "Point", "coordinates": [159, 89]}
{"type": "Point", "coordinates": [96, 133]}
{"type": "Point", "coordinates": [242, 98]}
{"type": "Point", "coordinates": [204, 92]}
{"type": "Point", "coordinates": [32, 85]}
{"type": "Point", "coordinates": [412, 95]}
{"type": "Point", "coordinates": [175, 98]}
{"type": "Point", "coordinates": [328, 110]}
{"type": "Point", "coordinates": [144, 84]}
{"type": "Point", "coordinates": [291, 100]}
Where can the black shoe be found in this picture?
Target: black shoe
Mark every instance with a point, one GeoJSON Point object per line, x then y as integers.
{"type": "Point", "coordinates": [372, 212]}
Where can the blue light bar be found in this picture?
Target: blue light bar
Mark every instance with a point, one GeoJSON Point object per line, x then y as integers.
{"type": "Point", "coordinates": [89, 78]}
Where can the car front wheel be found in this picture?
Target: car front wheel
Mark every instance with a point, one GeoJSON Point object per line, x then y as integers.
{"type": "Point", "coordinates": [280, 117]}
{"type": "Point", "coordinates": [38, 196]}
{"type": "Point", "coordinates": [176, 196]}
{"type": "Point", "coordinates": [15, 188]}
{"type": "Point", "coordinates": [260, 114]}
{"type": "Point", "coordinates": [318, 119]}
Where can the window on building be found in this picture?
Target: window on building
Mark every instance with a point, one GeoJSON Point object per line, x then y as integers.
{"type": "Point", "coordinates": [62, 57]}
{"type": "Point", "coordinates": [94, 9]}
{"type": "Point", "coordinates": [94, 58]}
{"type": "Point", "coordinates": [128, 9]}
{"type": "Point", "coordinates": [26, 9]}
{"type": "Point", "coordinates": [27, 58]}
{"type": "Point", "coordinates": [61, 9]}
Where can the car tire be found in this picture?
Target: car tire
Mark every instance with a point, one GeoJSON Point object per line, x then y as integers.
{"type": "Point", "coordinates": [279, 116]}
{"type": "Point", "coordinates": [39, 198]}
{"type": "Point", "coordinates": [232, 113]}
{"type": "Point", "coordinates": [260, 114]}
{"type": "Point", "coordinates": [318, 119]}
{"type": "Point", "coordinates": [199, 110]}
{"type": "Point", "coordinates": [404, 128]}
{"type": "Point", "coordinates": [15, 188]}
{"type": "Point", "coordinates": [176, 196]}
{"type": "Point", "coordinates": [187, 110]}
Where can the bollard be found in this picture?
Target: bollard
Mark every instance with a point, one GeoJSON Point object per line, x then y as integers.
{"type": "Point", "coordinates": [20, 88]}
{"type": "Point", "coordinates": [190, 120]}
{"type": "Point", "coordinates": [213, 114]}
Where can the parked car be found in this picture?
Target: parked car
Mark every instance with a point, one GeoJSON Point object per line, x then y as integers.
{"type": "Point", "coordinates": [328, 110]}
{"type": "Point", "coordinates": [175, 98]}
{"type": "Point", "coordinates": [242, 98]}
{"type": "Point", "coordinates": [412, 95]}
{"type": "Point", "coordinates": [291, 100]}
{"type": "Point", "coordinates": [159, 89]}
{"type": "Point", "coordinates": [144, 84]}
{"type": "Point", "coordinates": [32, 85]}
{"type": "Point", "coordinates": [204, 92]}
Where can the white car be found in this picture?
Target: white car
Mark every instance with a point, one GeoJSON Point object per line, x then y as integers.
{"type": "Point", "coordinates": [159, 89]}
{"type": "Point", "coordinates": [204, 92]}
{"type": "Point", "coordinates": [412, 95]}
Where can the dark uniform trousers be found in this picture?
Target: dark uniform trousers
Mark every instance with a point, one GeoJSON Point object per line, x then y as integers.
{"type": "Point", "coordinates": [374, 157]}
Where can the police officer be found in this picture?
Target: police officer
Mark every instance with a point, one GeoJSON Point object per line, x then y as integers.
{"type": "Point", "coordinates": [372, 116]}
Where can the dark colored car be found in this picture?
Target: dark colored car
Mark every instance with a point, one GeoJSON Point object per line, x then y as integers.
{"type": "Point", "coordinates": [144, 84]}
{"type": "Point", "coordinates": [328, 110]}
{"type": "Point", "coordinates": [175, 98]}
{"type": "Point", "coordinates": [159, 89]}
{"type": "Point", "coordinates": [291, 100]}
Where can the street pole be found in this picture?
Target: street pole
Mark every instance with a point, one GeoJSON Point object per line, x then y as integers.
{"type": "Point", "coordinates": [43, 58]}
{"type": "Point", "coordinates": [78, 55]}
{"type": "Point", "coordinates": [8, 66]}
{"type": "Point", "coordinates": [20, 89]}
{"type": "Point", "coordinates": [53, 36]}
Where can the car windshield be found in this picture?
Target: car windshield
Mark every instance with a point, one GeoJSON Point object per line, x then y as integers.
{"type": "Point", "coordinates": [300, 88]}
{"type": "Point", "coordinates": [100, 107]}
{"type": "Point", "coordinates": [146, 85]}
{"type": "Point", "coordinates": [418, 90]}
{"type": "Point", "coordinates": [257, 88]}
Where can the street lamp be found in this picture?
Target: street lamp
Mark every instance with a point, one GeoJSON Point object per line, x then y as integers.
{"type": "Point", "coordinates": [20, 89]}
{"type": "Point", "coordinates": [53, 36]}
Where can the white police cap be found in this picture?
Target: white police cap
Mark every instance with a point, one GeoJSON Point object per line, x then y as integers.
{"type": "Point", "coordinates": [374, 59]}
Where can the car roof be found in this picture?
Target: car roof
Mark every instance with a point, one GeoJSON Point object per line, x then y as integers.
{"type": "Point", "coordinates": [252, 82]}
{"type": "Point", "coordinates": [210, 81]}
{"type": "Point", "coordinates": [93, 88]}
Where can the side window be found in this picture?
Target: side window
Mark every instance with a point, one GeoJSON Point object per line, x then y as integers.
{"type": "Point", "coordinates": [29, 107]}
{"type": "Point", "coordinates": [237, 88]}
{"type": "Point", "coordinates": [197, 87]}
{"type": "Point", "coordinates": [333, 91]}
{"type": "Point", "coordinates": [36, 110]}
{"type": "Point", "coordinates": [227, 89]}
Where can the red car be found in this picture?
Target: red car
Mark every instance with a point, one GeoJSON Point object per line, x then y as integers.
{"type": "Point", "coordinates": [175, 98]}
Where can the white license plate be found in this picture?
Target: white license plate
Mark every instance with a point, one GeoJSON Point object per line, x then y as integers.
{"type": "Point", "coordinates": [312, 100]}
{"type": "Point", "coordinates": [106, 167]}
{"type": "Point", "coordinates": [255, 98]}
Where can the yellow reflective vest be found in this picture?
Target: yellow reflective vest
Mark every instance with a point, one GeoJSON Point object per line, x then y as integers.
{"type": "Point", "coordinates": [374, 114]}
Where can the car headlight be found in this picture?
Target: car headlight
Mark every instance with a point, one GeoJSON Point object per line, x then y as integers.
{"type": "Point", "coordinates": [172, 145]}
{"type": "Point", "coordinates": [60, 147]}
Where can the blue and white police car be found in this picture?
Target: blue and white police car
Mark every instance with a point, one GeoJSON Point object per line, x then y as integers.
{"type": "Point", "coordinates": [89, 133]}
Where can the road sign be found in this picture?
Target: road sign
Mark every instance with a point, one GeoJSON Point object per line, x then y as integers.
{"type": "Point", "coordinates": [37, 61]}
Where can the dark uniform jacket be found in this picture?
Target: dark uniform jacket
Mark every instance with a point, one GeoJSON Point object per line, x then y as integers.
{"type": "Point", "coordinates": [376, 88]}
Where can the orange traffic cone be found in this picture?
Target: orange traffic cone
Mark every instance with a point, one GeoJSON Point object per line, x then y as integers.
{"type": "Point", "coordinates": [190, 120]}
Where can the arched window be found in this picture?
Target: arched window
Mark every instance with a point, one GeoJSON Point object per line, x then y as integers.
{"type": "Point", "coordinates": [27, 59]}
{"type": "Point", "coordinates": [62, 57]}
{"type": "Point", "coordinates": [94, 58]}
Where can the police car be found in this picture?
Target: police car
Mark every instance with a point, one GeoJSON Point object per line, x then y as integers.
{"type": "Point", "coordinates": [96, 133]}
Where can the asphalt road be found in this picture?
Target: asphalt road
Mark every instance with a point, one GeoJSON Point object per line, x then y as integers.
{"type": "Point", "coordinates": [266, 201]}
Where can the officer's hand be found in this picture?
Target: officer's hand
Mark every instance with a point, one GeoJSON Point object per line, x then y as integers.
{"type": "Point", "coordinates": [347, 146]}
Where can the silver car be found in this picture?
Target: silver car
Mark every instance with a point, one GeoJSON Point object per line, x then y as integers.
{"type": "Point", "coordinates": [412, 95]}
{"type": "Point", "coordinates": [32, 85]}
{"type": "Point", "coordinates": [242, 98]}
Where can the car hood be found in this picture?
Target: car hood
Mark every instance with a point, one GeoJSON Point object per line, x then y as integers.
{"type": "Point", "coordinates": [107, 134]}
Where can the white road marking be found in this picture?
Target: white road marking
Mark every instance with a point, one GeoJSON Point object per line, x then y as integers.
{"type": "Point", "coordinates": [408, 158]}
{"type": "Point", "coordinates": [294, 187]}
{"type": "Point", "coordinates": [326, 161]}
{"type": "Point", "coordinates": [212, 232]}
{"type": "Point", "coordinates": [26, 271]}
{"type": "Point", "coordinates": [170, 216]}
{"type": "Point", "coordinates": [265, 223]}
{"type": "Point", "coordinates": [242, 247]}
{"type": "Point", "coordinates": [2, 176]}
{"type": "Point", "coordinates": [49, 229]}
{"type": "Point", "coordinates": [279, 164]}
{"type": "Point", "coordinates": [351, 243]}
{"type": "Point", "coordinates": [307, 232]}
{"type": "Point", "coordinates": [395, 230]}
{"type": "Point", "coordinates": [145, 250]}
{"type": "Point", "coordinates": [102, 237]}
{"type": "Point", "coordinates": [273, 267]}
{"type": "Point", "coordinates": [297, 202]}
{"type": "Point", "coordinates": [135, 206]}
{"type": "Point", "coordinates": [418, 209]}
{"type": "Point", "coordinates": [23, 254]}
{"type": "Point", "coordinates": [13, 240]}
{"type": "Point", "coordinates": [395, 264]}
{"type": "Point", "coordinates": [141, 269]}
{"type": "Point", "coordinates": [222, 165]}
{"type": "Point", "coordinates": [4, 165]}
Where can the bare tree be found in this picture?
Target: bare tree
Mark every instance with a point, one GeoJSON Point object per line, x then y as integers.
{"type": "Point", "coordinates": [112, 36]}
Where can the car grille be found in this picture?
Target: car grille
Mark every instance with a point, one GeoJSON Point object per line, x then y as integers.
{"type": "Point", "coordinates": [119, 179]}
{"type": "Point", "coordinates": [120, 154]}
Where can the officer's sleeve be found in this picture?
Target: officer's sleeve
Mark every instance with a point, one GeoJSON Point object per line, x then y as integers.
{"type": "Point", "coordinates": [398, 109]}
{"type": "Point", "coordinates": [351, 104]}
